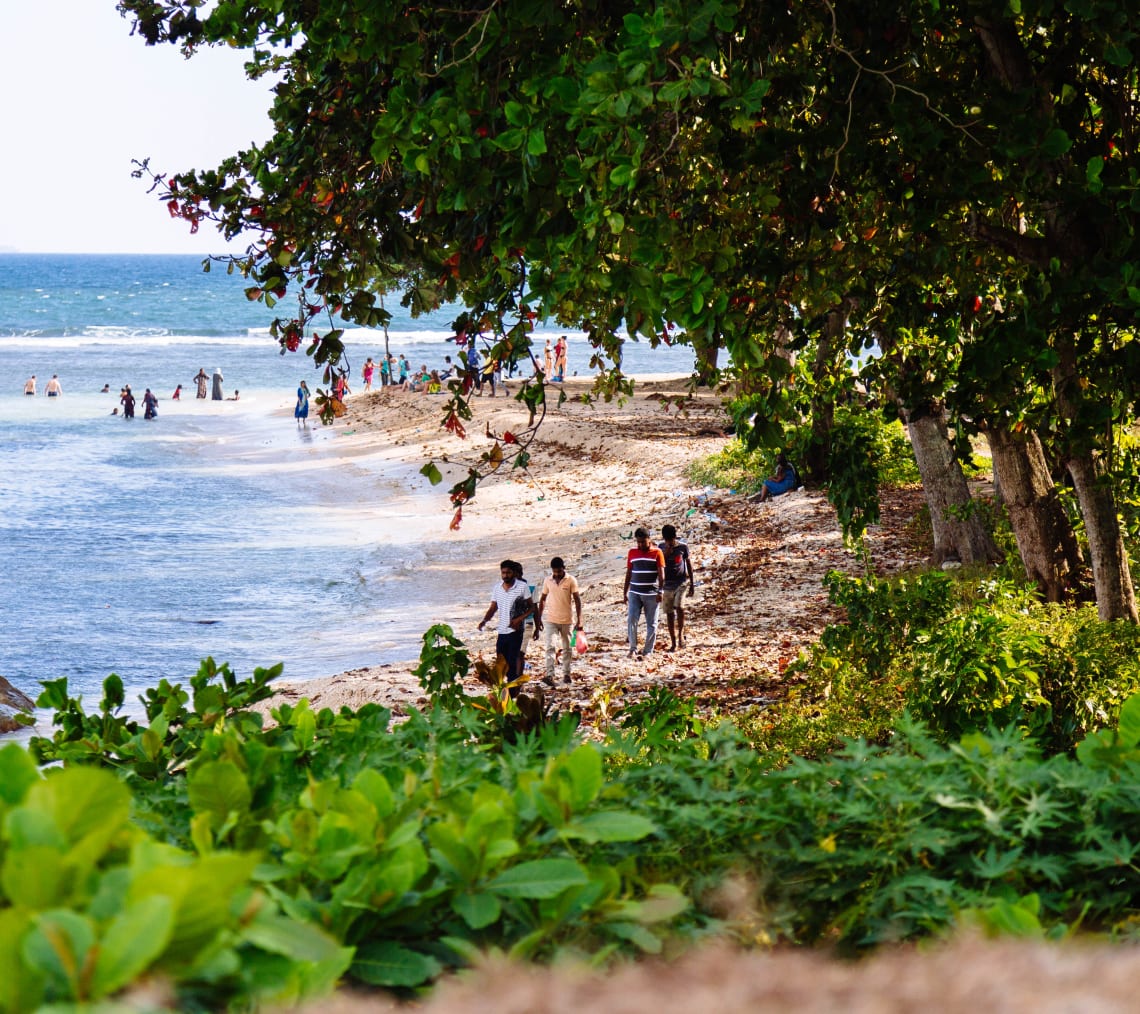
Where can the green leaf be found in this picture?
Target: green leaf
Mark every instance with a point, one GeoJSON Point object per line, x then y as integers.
{"type": "Point", "coordinates": [1056, 143]}
{"type": "Point", "coordinates": [374, 787]}
{"type": "Point", "coordinates": [536, 143]}
{"type": "Point", "coordinates": [36, 877]}
{"type": "Point", "coordinates": [135, 938]}
{"type": "Point", "coordinates": [389, 964]}
{"type": "Point", "coordinates": [539, 878]}
{"type": "Point", "coordinates": [583, 770]}
{"type": "Point", "coordinates": [433, 474]}
{"type": "Point", "coordinates": [18, 773]}
{"type": "Point", "coordinates": [57, 948]}
{"type": "Point", "coordinates": [300, 941]}
{"type": "Point", "coordinates": [610, 825]}
{"type": "Point", "coordinates": [218, 789]}
{"type": "Point", "coordinates": [21, 988]}
{"type": "Point", "coordinates": [477, 910]}
{"type": "Point", "coordinates": [1092, 174]}
{"type": "Point", "coordinates": [1128, 728]}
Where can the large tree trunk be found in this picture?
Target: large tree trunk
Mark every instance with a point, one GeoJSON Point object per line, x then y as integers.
{"type": "Point", "coordinates": [958, 531]}
{"type": "Point", "coordinates": [1115, 598]}
{"type": "Point", "coordinates": [1045, 539]}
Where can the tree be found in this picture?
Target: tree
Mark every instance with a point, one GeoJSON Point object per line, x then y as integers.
{"type": "Point", "coordinates": [727, 173]}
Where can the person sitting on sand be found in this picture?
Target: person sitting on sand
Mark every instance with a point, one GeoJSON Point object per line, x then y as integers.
{"type": "Point", "coordinates": [779, 482]}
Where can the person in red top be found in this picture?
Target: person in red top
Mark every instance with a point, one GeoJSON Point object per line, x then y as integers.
{"type": "Point", "coordinates": [644, 581]}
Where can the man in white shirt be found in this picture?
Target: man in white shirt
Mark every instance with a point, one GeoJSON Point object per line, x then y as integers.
{"type": "Point", "coordinates": [511, 599]}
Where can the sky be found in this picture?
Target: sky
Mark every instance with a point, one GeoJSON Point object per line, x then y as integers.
{"type": "Point", "coordinates": [80, 97]}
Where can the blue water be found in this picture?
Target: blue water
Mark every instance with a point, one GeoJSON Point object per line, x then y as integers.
{"type": "Point", "coordinates": [138, 547]}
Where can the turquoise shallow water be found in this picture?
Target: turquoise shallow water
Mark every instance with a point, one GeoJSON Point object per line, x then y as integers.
{"type": "Point", "coordinates": [137, 547]}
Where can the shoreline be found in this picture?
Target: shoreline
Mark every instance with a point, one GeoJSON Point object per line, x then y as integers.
{"type": "Point", "coordinates": [596, 473]}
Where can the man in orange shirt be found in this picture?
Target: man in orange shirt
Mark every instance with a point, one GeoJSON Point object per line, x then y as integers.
{"type": "Point", "coordinates": [644, 582]}
{"type": "Point", "coordinates": [558, 592]}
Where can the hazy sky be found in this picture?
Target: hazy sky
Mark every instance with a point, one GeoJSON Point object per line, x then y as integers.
{"type": "Point", "coordinates": [79, 98]}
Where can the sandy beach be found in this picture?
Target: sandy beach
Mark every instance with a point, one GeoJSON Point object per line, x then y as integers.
{"type": "Point", "coordinates": [597, 471]}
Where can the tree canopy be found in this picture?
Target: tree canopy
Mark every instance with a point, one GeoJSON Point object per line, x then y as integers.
{"type": "Point", "coordinates": [956, 183]}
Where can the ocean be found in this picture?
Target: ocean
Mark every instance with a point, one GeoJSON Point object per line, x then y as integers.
{"type": "Point", "coordinates": [219, 528]}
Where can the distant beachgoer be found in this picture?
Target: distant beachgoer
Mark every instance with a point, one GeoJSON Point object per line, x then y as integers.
{"type": "Point", "coordinates": [202, 379]}
{"type": "Point", "coordinates": [783, 479]}
{"type": "Point", "coordinates": [217, 391]}
{"type": "Point", "coordinates": [106, 389]}
{"type": "Point", "coordinates": [548, 361]}
{"type": "Point", "coordinates": [128, 401]}
{"type": "Point", "coordinates": [301, 410]}
{"type": "Point", "coordinates": [385, 371]}
{"type": "Point", "coordinates": [236, 395]}
{"type": "Point", "coordinates": [644, 580]}
{"type": "Point", "coordinates": [448, 369]}
{"type": "Point", "coordinates": [491, 374]}
{"type": "Point", "coordinates": [177, 395]}
{"type": "Point", "coordinates": [30, 386]}
{"type": "Point", "coordinates": [560, 359]}
{"type": "Point", "coordinates": [474, 371]}
{"type": "Point", "coordinates": [52, 388]}
{"type": "Point", "coordinates": [150, 405]}
{"type": "Point", "coordinates": [340, 387]}
{"type": "Point", "coordinates": [369, 366]}
{"type": "Point", "coordinates": [403, 368]}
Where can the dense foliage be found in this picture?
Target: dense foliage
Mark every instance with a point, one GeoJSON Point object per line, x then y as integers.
{"type": "Point", "coordinates": [245, 864]}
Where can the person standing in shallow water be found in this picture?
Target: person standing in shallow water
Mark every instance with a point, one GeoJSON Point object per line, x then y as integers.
{"type": "Point", "coordinates": [301, 410]}
{"type": "Point", "coordinates": [217, 391]}
{"type": "Point", "coordinates": [128, 402]}
{"type": "Point", "coordinates": [30, 386]}
{"type": "Point", "coordinates": [202, 380]}
{"type": "Point", "coordinates": [150, 405]}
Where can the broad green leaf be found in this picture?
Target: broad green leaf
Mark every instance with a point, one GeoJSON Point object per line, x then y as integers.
{"type": "Point", "coordinates": [434, 476]}
{"type": "Point", "coordinates": [535, 142]}
{"type": "Point", "coordinates": [83, 801]}
{"type": "Point", "coordinates": [218, 789]}
{"type": "Point", "coordinates": [21, 987]}
{"type": "Point", "coordinates": [539, 878]}
{"type": "Point", "coordinates": [57, 948]}
{"type": "Point", "coordinates": [583, 771]}
{"type": "Point", "coordinates": [477, 910]}
{"type": "Point", "coordinates": [36, 876]}
{"type": "Point", "coordinates": [375, 788]}
{"type": "Point", "coordinates": [1056, 143]}
{"type": "Point", "coordinates": [388, 964]}
{"type": "Point", "coordinates": [1129, 726]}
{"type": "Point", "coordinates": [636, 934]}
{"type": "Point", "coordinates": [453, 853]}
{"type": "Point", "coordinates": [300, 941]}
{"type": "Point", "coordinates": [610, 825]}
{"type": "Point", "coordinates": [18, 773]}
{"type": "Point", "coordinates": [135, 938]}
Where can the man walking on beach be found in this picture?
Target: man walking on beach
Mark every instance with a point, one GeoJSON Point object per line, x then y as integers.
{"type": "Point", "coordinates": [644, 580]}
{"type": "Point", "coordinates": [510, 598]}
{"type": "Point", "coordinates": [559, 590]}
{"type": "Point", "coordinates": [677, 569]}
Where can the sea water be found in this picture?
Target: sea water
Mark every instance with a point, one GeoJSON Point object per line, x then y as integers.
{"type": "Point", "coordinates": [138, 547]}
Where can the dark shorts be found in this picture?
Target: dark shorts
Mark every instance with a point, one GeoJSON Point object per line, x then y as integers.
{"type": "Point", "coordinates": [510, 647]}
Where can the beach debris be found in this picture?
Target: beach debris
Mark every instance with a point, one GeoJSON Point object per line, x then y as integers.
{"type": "Point", "coordinates": [15, 707]}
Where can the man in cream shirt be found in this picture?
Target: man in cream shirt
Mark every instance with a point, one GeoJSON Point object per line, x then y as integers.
{"type": "Point", "coordinates": [558, 592]}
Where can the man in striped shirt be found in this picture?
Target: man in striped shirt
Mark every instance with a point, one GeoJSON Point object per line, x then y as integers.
{"type": "Point", "coordinates": [644, 580]}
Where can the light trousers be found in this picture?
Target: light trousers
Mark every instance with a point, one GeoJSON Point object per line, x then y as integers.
{"type": "Point", "coordinates": [563, 632]}
{"type": "Point", "coordinates": [639, 603]}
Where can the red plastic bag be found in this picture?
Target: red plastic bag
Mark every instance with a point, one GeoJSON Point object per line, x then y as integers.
{"type": "Point", "coordinates": [578, 642]}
